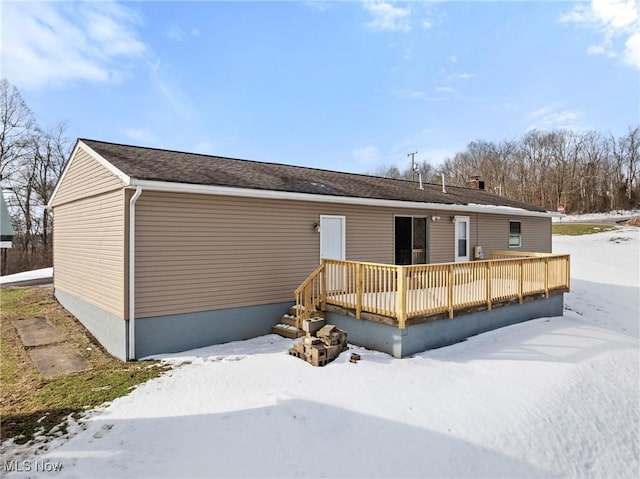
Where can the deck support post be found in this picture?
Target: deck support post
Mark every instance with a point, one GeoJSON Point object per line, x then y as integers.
{"type": "Point", "coordinates": [359, 267]}
{"type": "Point", "coordinates": [489, 285]}
{"type": "Point", "coordinates": [307, 303]}
{"type": "Point", "coordinates": [521, 281]}
{"type": "Point", "coordinates": [450, 291]}
{"type": "Point", "coordinates": [402, 297]}
{"type": "Point", "coordinates": [323, 287]}
{"type": "Point", "coordinates": [546, 277]}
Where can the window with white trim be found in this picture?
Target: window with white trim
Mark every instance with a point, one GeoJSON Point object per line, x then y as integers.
{"type": "Point", "coordinates": [515, 234]}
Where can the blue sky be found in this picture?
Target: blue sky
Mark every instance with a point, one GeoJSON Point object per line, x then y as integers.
{"type": "Point", "coordinates": [339, 85]}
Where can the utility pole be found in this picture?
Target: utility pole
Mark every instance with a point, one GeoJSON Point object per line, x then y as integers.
{"type": "Point", "coordinates": [413, 165]}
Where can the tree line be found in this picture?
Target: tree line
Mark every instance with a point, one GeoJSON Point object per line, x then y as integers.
{"type": "Point", "coordinates": [31, 160]}
{"type": "Point", "coordinates": [581, 172]}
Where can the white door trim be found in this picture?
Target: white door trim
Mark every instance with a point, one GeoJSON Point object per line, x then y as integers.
{"type": "Point", "coordinates": [343, 220]}
{"type": "Point", "coordinates": [456, 220]}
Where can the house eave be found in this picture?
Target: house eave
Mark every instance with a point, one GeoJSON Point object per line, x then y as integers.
{"type": "Point", "coordinates": [165, 186]}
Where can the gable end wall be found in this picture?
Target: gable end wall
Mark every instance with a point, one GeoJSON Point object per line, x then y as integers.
{"type": "Point", "coordinates": [89, 235]}
{"type": "Point", "coordinates": [84, 177]}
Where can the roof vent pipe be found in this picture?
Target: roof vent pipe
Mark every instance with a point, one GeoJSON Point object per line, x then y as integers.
{"type": "Point", "coordinates": [444, 190]}
{"type": "Point", "coordinates": [420, 180]}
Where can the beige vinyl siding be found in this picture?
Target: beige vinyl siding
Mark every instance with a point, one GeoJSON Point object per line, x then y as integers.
{"type": "Point", "coordinates": [492, 233]}
{"type": "Point", "coordinates": [88, 250]}
{"type": "Point", "coordinates": [489, 231]}
{"type": "Point", "coordinates": [442, 244]}
{"type": "Point", "coordinates": [84, 177]}
{"type": "Point", "coordinates": [199, 252]}
{"type": "Point", "coordinates": [536, 234]}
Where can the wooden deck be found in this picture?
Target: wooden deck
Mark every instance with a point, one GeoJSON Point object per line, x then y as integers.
{"type": "Point", "coordinates": [401, 295]}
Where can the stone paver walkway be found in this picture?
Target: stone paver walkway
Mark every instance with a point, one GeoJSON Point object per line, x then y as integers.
{"type": "Point", "coordinates": [43, 344]}
{"type": "Point", "coordinates": [37, 332]}
{"type": "Point", "coordinates": [57, 359]}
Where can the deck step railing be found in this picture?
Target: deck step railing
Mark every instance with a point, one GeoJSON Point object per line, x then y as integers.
{"type": "Point", "coordinates": [310, 295]}
{"type": "Point", "coordinates": [404, 292]}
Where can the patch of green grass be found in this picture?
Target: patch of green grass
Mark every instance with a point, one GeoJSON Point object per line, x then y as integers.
{"type": "Point", "coordinates": [575, 229]}
{"type": "Point", "coordinates": [30, 404]}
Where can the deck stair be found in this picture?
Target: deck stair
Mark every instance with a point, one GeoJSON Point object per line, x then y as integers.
{"type": "Point", "coordinates": [288, 326]}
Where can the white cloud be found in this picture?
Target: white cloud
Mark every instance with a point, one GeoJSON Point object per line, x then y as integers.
{"type": "Point", "coordinates": [421, 95]}
{"type": "Point", "coordinates": [453, 59]}
{"type": "Point", "coordinates": [550, 117]}
{"type": "Point", "coordinates": [616, 24]}
{"type": "Point", "coordinates": [170, 90]}
{"type": "Point", "coordinates": [445, 89]}
{"type": "Point", "coordinates": [462, 76]}
{"type": "Point", "coordinates": [440, 93]}
{"type": "Point", "coordinates": [49, 44]}
{"type": "Point", "coordinates": [617, 13]}
{"type": "Point", "coordinates": [175, 33]}
{"type": "Point", "coordinates": [632, 50]}
{"type": "Point", "coordinates": [317, 5]}
{"type": "Point", "coordinates": [600, 50]}
{"type": "Point", "coordinates": [412, 94]}
{"type": "Point", "coordinates": [55, 44]}
{"type": "Point", "coordinates": [388, 18]}
{"type": "Point", "coordinates": [178, 34]}
{"type": "Point", "coordinates": [427, 24]}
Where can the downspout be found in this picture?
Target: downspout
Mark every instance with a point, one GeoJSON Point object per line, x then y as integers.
{"type": "Point", "coordinates": [132, 273]}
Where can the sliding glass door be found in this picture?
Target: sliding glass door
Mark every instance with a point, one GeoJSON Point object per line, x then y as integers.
{"type": "Point", "coordinates": [411, 246]}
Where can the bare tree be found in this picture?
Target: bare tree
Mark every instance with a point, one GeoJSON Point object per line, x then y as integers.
{"type": "Point", "coordinates": [31, 162]}
{"type": "Point", "coordinates": [583, 172]}
{"type": "Point", "coordinates": [629, 152]}
{"type": "Point", "coordinates": [17, 125]}
{"type": "Point", "coordinates": [50, 152]}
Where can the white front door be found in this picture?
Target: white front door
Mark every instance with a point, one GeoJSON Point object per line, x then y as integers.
{"type": "Point", "coordinates": [461, 224]}
{"type": "Point", "coordinates": [332, 237]}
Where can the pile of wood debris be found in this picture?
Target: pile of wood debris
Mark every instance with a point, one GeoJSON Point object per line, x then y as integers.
{"type": "Point", "coordinates": [322, 343]}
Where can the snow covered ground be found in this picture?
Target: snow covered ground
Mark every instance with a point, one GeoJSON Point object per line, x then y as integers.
{"type": "Point", "coordinates": [43, 273]}
{"type": "Point", "coordinates": [553, 397]}
{"type": "Point", "coordinates": [610, 216]}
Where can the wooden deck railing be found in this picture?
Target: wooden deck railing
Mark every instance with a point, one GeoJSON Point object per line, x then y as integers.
{"type": "Point", "coordinates": [309, 295]}
{"type": "Point", "coordinates": [404, 292]}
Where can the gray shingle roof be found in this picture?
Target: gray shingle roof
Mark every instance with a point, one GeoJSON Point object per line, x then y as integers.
{"type": "Point", "coordinates": [192, 168]}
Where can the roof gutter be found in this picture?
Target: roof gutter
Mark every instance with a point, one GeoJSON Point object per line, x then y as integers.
{"type": "Point", "coordinates": [132, 273]}
{"type": "Point", "coordinates": [348, 200]}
